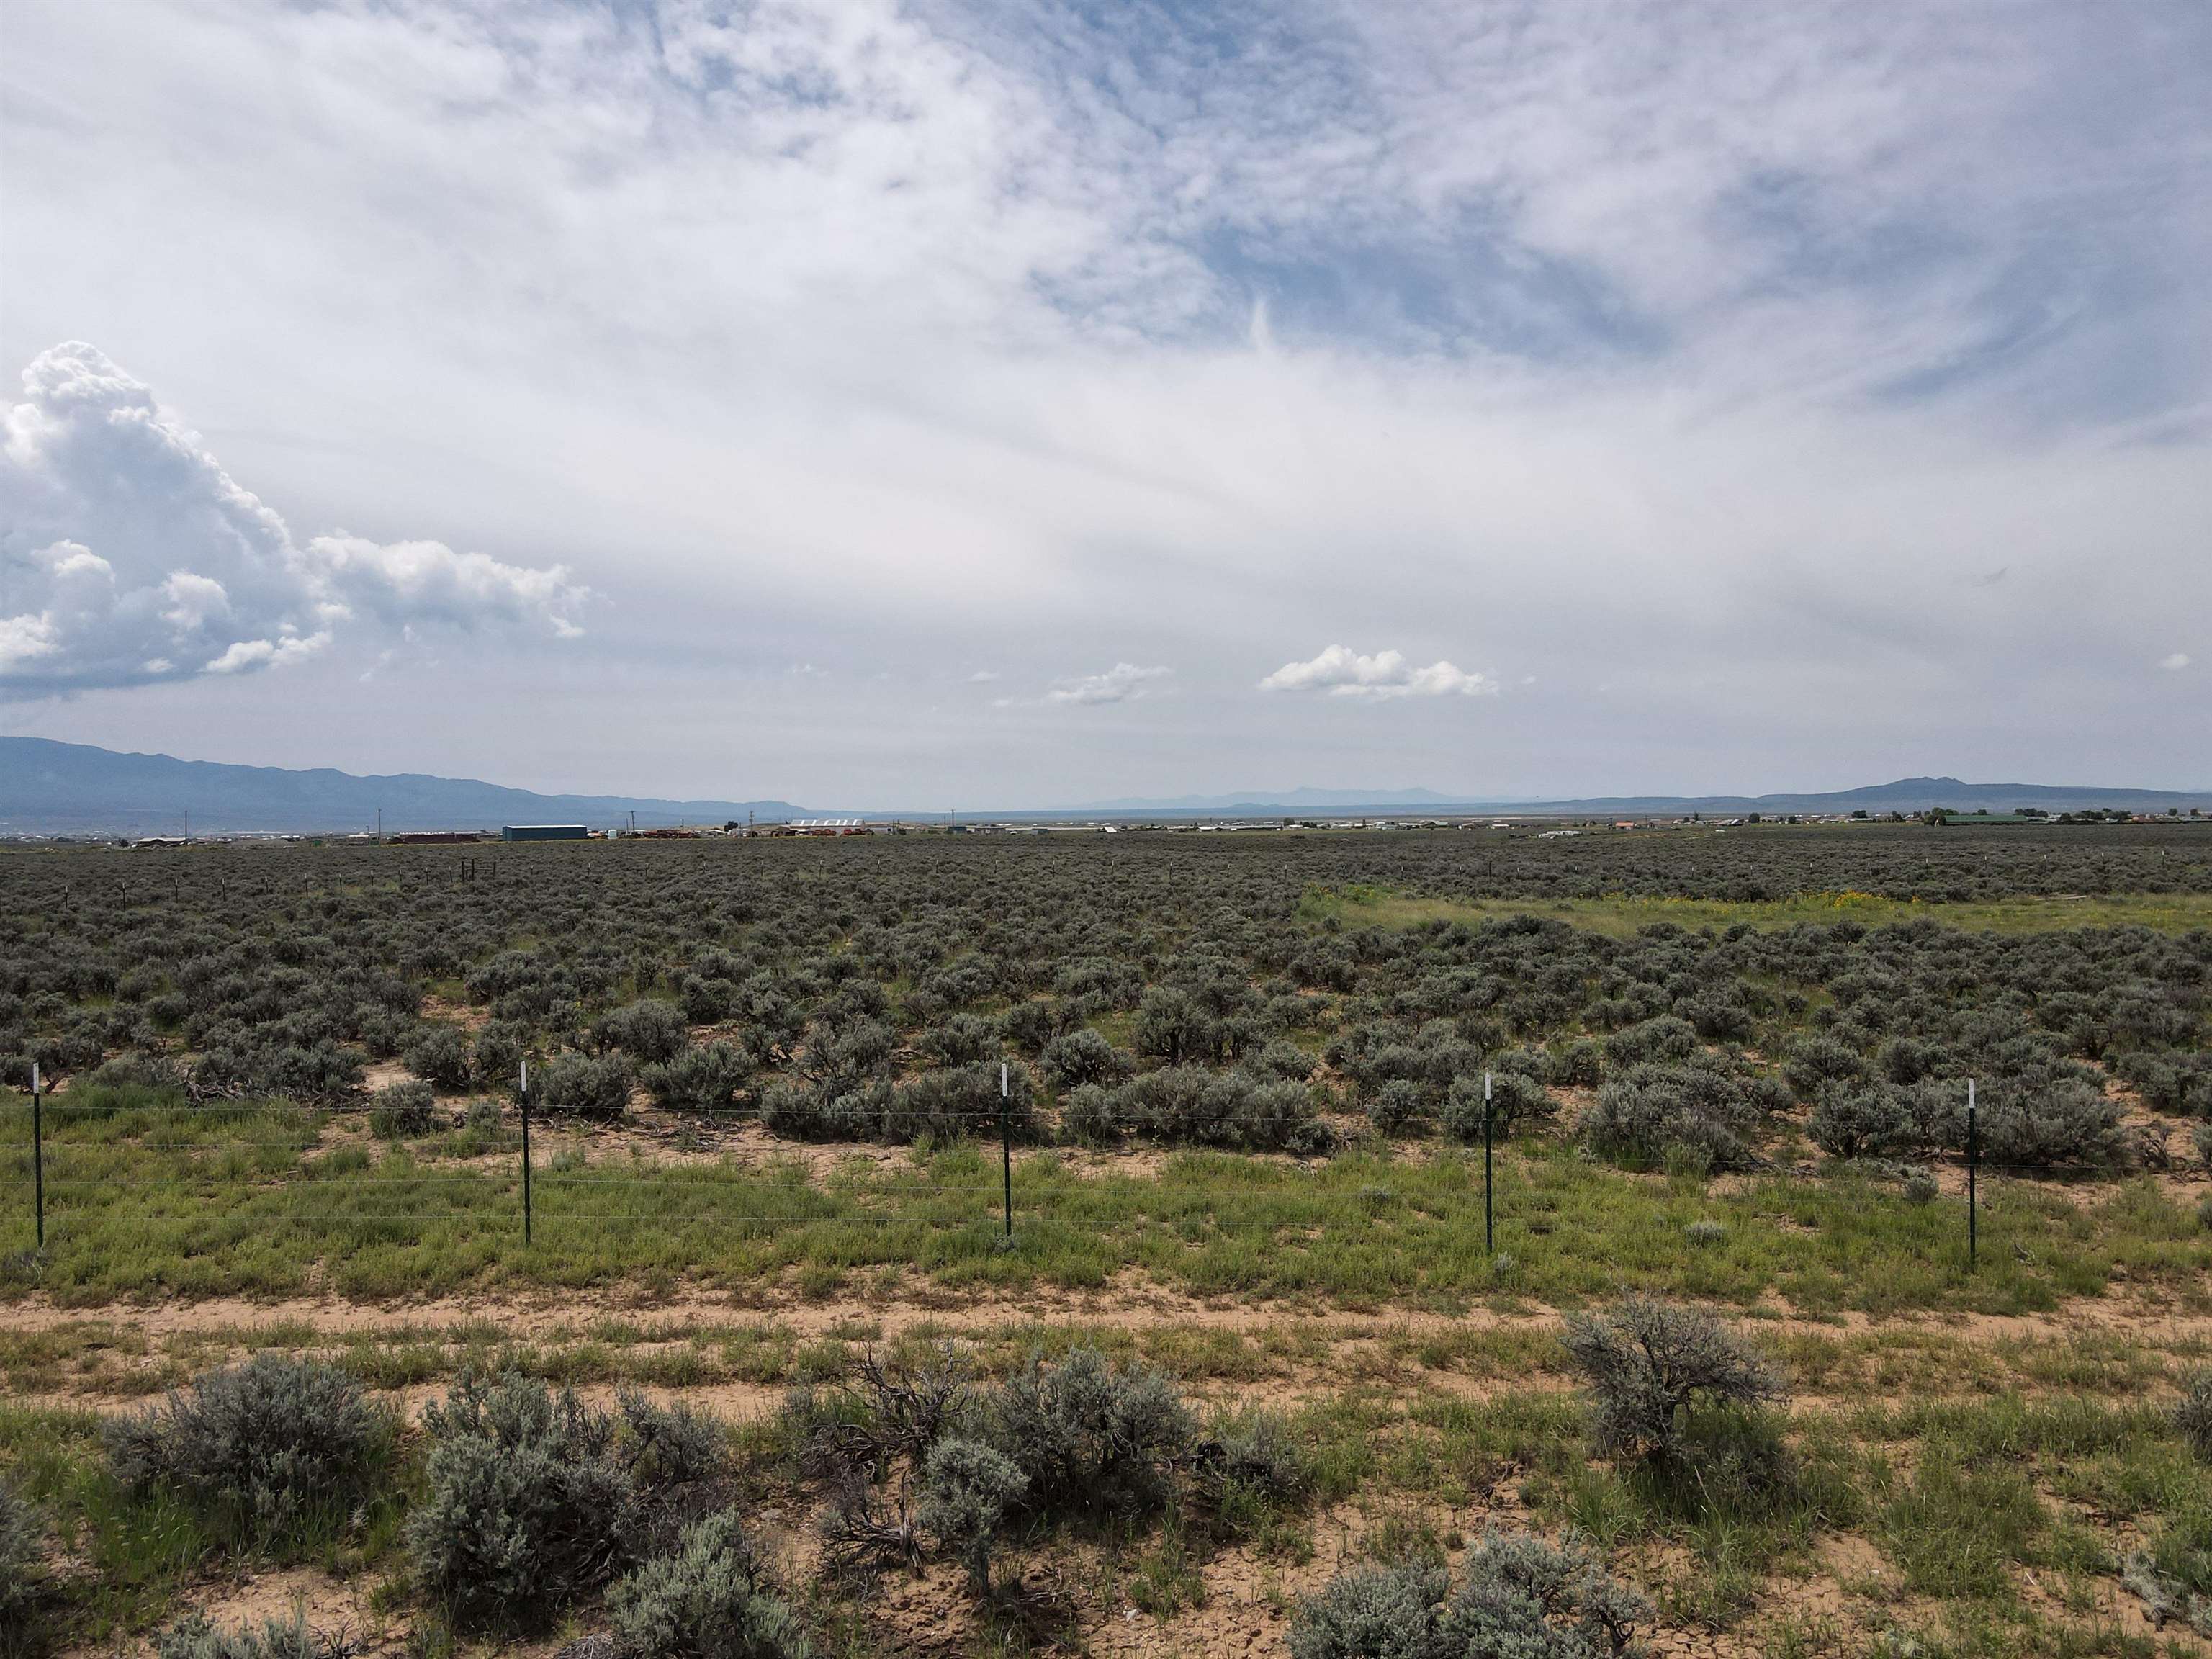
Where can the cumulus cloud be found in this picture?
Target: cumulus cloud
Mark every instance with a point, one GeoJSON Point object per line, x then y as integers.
{"type": "Point", "coordinates": [1343, 673]}
{"type": "Point", "coordinates": [129, 556]}
{"type": "Point", "coordinates": [1122, 682]}
{"type": "Point", "coordinates": [2176, 663]}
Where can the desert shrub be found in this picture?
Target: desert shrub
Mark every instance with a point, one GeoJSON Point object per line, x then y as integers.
{"type": "Point", "coordinates": [1818, 1061]}
{"type": "Point", "coordinates": [1091, 1116]}
{"type": "Point", "coordinates": [2192, 1415]}
{"type": "Point", "coordinates": [961, 1040]}
{"type": "Point", "coordinates": [588, 1085]}
{"type": "Point", "coordinates": [1517, 1596]}
{"type": "Point", "coordinates": [1173, 1027]}
{"type": "Point", "coordinates": [1377, 1611]}
{"type": "Point", "coordinates": [648, 1031]}
{"type": "Point", "coordinates": [320, 1071]}
{"type": "Point", "coordinates": [1648, 1362]}
{"type": "Point", "coordinates": [194, 1636]}
{"type": "Point", "coordinates": [528, 1504]}
{"type": "Point", "coordinates": [1580, 1065]}
{"type": "Point", "coordinates": [796, 1110]}
{"type": "Point", "coordinates": [1638, 1116]}
{"type": "Point", "coordinates": [155, 1071]}
{"type": "Point", "coordinates": [959, 1103]}
{"type": "Point", "coordinates": [841, 1055]}
{"type": "Point", "coordinates": [439, 1054]}
{"type": "Point", "coordinates": [1909, 1059]}
{"type": "Point", "coordinates": [2067, 1121]}
{"type": "Point", "coordinates": [21, 1535]}
{"type": "Point", "coordinates": [1251, 1455]}
{"type": "Point", "coordinates": [968, 1487]}
{"type": "Point", "coordinates": [1075, 1057]}
{"type": "Point", "coordinates": [1665, 1037]}
{"type": "Point", "coordinates": [1396, 1105]}
{"type": "Point", "coordinates": [705, 1078]}
{"type": "Point", "coordinates": [1873, 1120]}
{"type": "Point", "coordinates": [1514, 1097]}
{"type": "Point", "coordinates": [2168, 1082]}
{"type": "Point", "coordinates": [403, 1109]}
{"type": "Point", "coordinates": [1210, 1108]}
{"type": "Point", "coordinates": [711, 1598]}
{"type": "Point", "coordinates": [270, 1452]}
{"type": "Point", "coordinates": [1718, 1014]}
{"type": "Point", "coordinates": [671, 1445]}
{"type": "Point", "coordinates": [497, 1055]}
{"type": "Point", "coordinates": [1089, 1437]}
{"type": "Point", "coordinates": [706, 999]}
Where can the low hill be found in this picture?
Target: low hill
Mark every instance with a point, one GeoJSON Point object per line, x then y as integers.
{"type": "Point", "coordinates": [48, 787]}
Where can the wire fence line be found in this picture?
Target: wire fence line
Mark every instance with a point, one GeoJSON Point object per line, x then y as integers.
{"type": "Point", "coordinates": [683, 1193]}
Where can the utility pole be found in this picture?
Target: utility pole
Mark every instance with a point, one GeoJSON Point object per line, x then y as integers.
{"type": "Point", "coordinates": [380, 826]}
{"type": "Point", "coordinates": [188, 824]}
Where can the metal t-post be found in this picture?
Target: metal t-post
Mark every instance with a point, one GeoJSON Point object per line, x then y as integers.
{"type": "Point", "coordinates": [1973, 1184]}
{"type": "Point", "coordinates": [526, 1151]}
{"type": "Point", "coordinates": [38, 1155]}
{"type": "Point", "coordinates": [1005, 1149]}
{"type": "Point", "coordinates": [1489, 1232]}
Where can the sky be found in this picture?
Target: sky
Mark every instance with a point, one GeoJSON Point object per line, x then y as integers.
{"type": "Point", "coordinates": [928, 405]}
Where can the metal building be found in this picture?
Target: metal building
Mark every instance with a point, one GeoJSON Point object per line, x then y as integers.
{"type": "Point", "coordinates": [542, 832]}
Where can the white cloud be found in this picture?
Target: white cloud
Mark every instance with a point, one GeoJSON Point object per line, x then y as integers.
{"type": "Point", "coordinates": [1121, 683]}
{"type": "Point", "coordinates": [2175, 663]}
{"type": "Point", "coordinates": [1343, 673]}
{"type": "Point", "coordinates": [129, 556]}
{"type": "Point", "coordinates": [983, 676]}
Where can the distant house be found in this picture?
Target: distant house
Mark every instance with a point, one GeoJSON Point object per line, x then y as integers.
{"type": "Point", "coordinates": [542, 832]}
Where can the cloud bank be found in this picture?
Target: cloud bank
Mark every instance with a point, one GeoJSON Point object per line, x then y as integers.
{"type": "Point", "coordinates": [1343, 673]}
{"type": "Point", "coordinates": [128, 557]}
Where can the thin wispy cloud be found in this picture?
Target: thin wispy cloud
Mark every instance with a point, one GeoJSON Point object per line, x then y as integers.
{"type": "Point", "coordinates": [1120, 683]}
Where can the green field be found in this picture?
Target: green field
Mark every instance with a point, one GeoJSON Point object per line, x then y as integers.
{"type": "Point", "coordinates": [1624, 914]}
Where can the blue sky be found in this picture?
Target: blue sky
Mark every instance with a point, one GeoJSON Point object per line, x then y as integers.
{"type": "Point", "coordinates": [904, 404]}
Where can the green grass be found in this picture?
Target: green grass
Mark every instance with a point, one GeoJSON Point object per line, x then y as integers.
{"type": "Point", "coordinates": [1621, 914]}
{"type": "Point", "coordinates": [155, 1198]}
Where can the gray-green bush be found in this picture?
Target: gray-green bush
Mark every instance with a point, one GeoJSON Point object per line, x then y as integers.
{"type": "Point", "coordinates": [711, 1598]}
{"type": "Point", "coordinates": [274, 1452]}
{"type": "Point", "coordinates": [528, 1504]}
{"type": "Point", "coordinates": [20, 1538]}
{"type": "Point", "coordinates": [194, 1636]}
{"type": "Point", "coordinates": [403, 1110]}
{"type": "Point", "coordinates": [1091, 1438]}
{"type": "Point", "coordinates": [968, 1488]}
{"type": "Point", "coordinates": [1516, 1597]}
{"type": "Point", "coordinates": [1648, 1362]}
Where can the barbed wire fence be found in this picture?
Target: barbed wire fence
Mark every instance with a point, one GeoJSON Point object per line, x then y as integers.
{"type": "Point", "coordinates": [52, 1164]}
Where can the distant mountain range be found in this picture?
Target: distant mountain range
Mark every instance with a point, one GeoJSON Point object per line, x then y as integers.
{"type": "Point", "coordinates": [50, 788]}
{"type": "Point", "coordinates": [57, 788]}
{"type": "Point", "coordinates": [1904, 795]}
